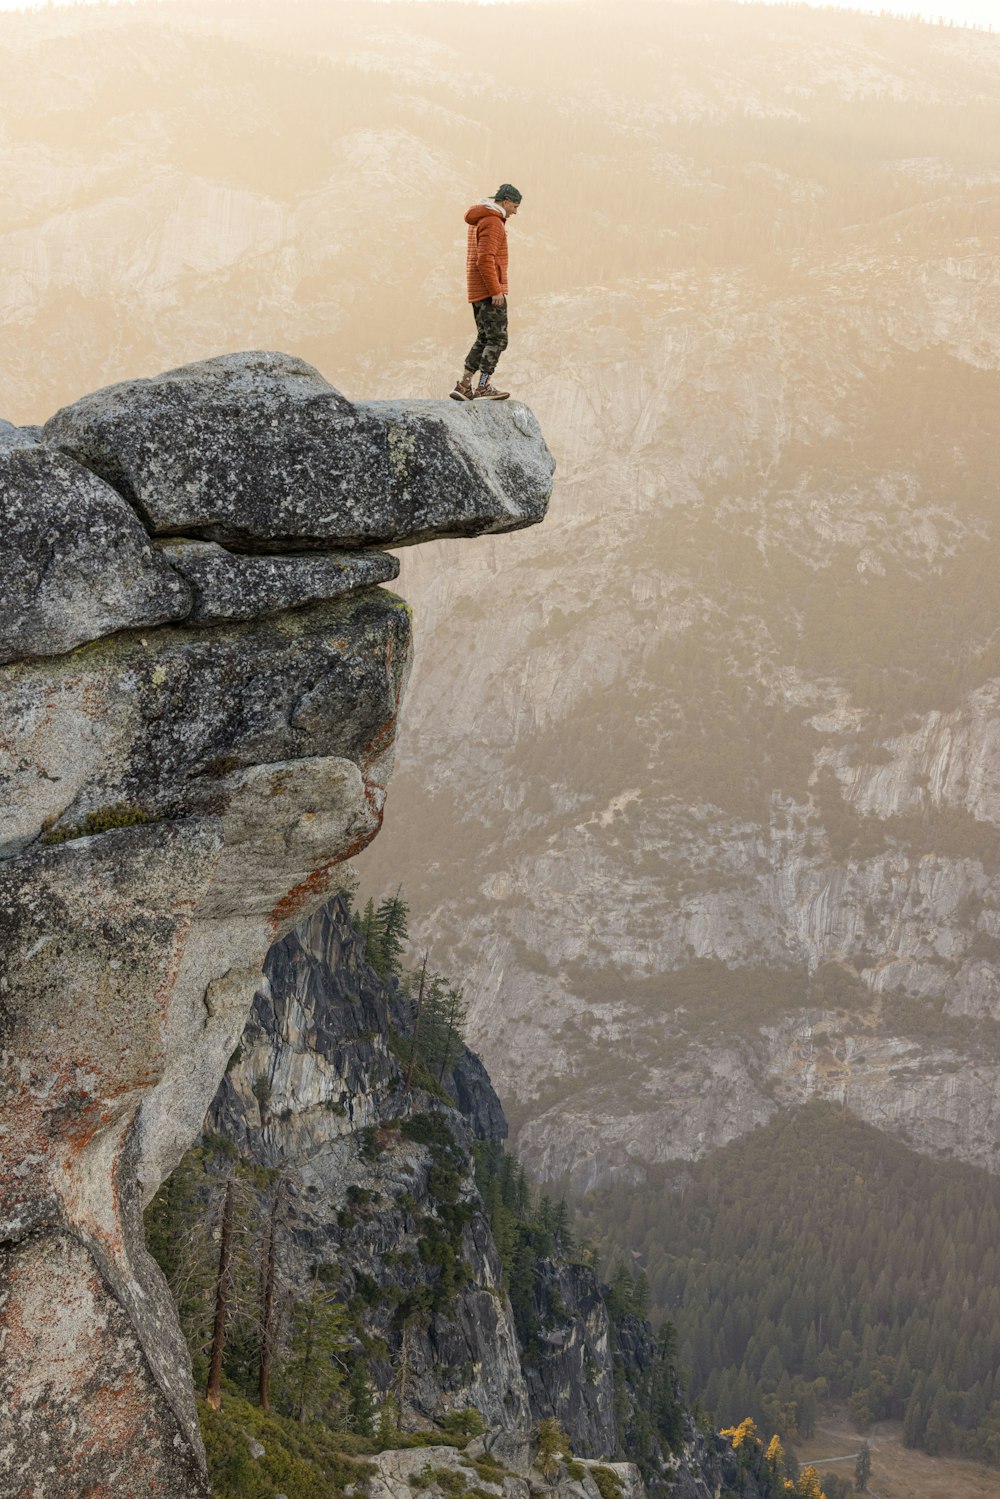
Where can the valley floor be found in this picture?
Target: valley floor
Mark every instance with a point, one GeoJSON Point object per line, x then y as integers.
{"type": "Point", "coordinates": [898, 1472]}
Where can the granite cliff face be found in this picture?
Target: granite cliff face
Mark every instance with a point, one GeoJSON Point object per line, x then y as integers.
{"type": "Point", "coordinates": [377, 1176]}
{"type": "Point", "coordinates": [770, 366]}
{"type": "Point", "coordinates": [316, 1048]}
{"type": "Point", "coordinates": [193, 742]}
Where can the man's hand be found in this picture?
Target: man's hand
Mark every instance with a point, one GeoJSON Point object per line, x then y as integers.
{"type": "Point", "coordinates": [499, 301]}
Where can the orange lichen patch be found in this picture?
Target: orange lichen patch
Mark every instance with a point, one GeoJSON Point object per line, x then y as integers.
{"type": "Point", "coordinates": [69, 1353]}
{"type": "Point", "coordinates": [300, 895]}
{"type": "Point", "coordinates": [93, 701]}
{"type": "Point", "coordinates": [380, 740]}
{"type": "Point", "coordinates": [119, 1418]}
{"type": "Point", "coordinates": [90, 1124]}
{"type": "Point", "coordinates": [367, 833]}
{"type": "Point", "coordinates": [25, 1156]}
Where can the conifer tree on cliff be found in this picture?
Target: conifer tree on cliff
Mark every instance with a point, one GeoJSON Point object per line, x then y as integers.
{"type": "Point", "coordinates": [213, 1393]}
{"type": "Point", "coordinates": [311, 1374]}
{"type": "Point", "coordinates": [268, 1285]}
{"type": "Point", "coordinates": [392, 918]}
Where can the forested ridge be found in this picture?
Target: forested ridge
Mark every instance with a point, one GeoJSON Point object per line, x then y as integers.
{"type": "Point", "coordinates": [301, 1328]}
{"type": "Point", "coordinates": [816, 1258]}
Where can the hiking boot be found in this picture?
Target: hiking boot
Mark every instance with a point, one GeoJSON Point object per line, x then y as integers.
{"type": "Point", "coordinates": [489, 392]}
{"type": "Point", "coordinates": [463, 389]}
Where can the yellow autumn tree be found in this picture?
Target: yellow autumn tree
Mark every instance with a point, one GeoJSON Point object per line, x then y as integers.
{"type": "Point", "coordinates": [745, 1433]}
{"type": "Point", "coordinates": [807, 1486]}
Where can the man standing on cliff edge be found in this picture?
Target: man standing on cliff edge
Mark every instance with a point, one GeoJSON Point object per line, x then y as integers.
{"type": "Point", "coordinates": [486, 277]}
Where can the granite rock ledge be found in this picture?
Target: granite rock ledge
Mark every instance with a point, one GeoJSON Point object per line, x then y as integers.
{"type": "Point", "coordinates": [274, 459]}
{"type": "Point", "coordinates": [193, 743]}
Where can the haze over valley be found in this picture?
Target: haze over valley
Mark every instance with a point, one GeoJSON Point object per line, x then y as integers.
{"type": "Point", "coordinates": [697, 792]}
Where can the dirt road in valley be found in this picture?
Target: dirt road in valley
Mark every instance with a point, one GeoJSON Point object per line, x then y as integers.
{"type": "Point", "coordinates": [898, 1472]}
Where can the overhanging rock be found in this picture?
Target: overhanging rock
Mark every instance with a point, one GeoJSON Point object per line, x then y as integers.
{"type": "Point", "coordinates": [259, 452]}
{"type": "Point", "coordinates": [193, 742]}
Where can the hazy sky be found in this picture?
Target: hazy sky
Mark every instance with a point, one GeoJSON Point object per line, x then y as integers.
{"type": "Point", "coordinates": [966, 12]}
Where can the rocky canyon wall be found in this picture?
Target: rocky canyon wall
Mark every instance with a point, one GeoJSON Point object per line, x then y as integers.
{"type": "Point", "coordinates": [200, 682]}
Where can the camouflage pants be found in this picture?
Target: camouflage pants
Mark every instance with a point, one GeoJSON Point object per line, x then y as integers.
{"type": "Point", "coordinates": [491, 328]}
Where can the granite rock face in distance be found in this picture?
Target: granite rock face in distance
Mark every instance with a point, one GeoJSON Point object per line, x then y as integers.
{"type": "Point", "coordinates": [193, 743]}
{"type": "Point", "coordinates": [257, 451]}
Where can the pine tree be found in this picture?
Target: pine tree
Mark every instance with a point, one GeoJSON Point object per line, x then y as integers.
{"type": "Point", "coordinates": [310, 1375]}
{"type": "Point", "coordinates": [223, 1287]}
{"type": "Point", "coordinates": [419, 1020]}
{"type": "Point", "coordinates": [934, 1433]}
{"type": "Point", "coordinates": [388, 1423]}
{"type": "Point", "coordinates": [454, 1013]}
{"type": "Point", "coordinates": [863, 1468]}
{"type": "Point", "coordinates": [371, 936]}
{"type": "Point", "coordinates": [561, 1230]}
{"type": "Point", "coordinates": [268, 1287]}
{"type": "Point", "coordinates": [913, 1420]}
{"type": "Point", "coordinates": [522, 1289]}
{"type": "Point", "coordinates": [553, 1445]}
{"type": "Point", "coordinates": [621, 1301]}
{"type": "Point", "coordinates": [392, 925]}
{"type": "Point", "coordinates": [666, 1408]}
{"type": "Point", "coordinates": [361, 1404]}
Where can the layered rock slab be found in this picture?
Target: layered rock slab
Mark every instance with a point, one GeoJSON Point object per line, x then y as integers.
{"type": "Point", "coordinates": [259, 452]}
{"type": "Point", "coordinates": [159, 724]}
{"type": "Point", "coordinates": [228, 587]}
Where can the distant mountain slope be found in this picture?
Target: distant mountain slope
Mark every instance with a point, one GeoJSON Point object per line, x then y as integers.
{"type": "Point", "coordinates": [815, 1258]}
{"type": "Point", "coordinates": [710, 824]}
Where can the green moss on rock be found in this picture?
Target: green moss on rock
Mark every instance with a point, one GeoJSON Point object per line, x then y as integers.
{"type": "Point", "coordinates": [121, 815]}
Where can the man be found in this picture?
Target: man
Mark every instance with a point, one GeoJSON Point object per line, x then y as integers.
{"type": "Point", "coordinates": [486, 276]}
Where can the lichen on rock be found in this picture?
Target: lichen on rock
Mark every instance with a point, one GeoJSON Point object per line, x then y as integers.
{"type": "Point", "coordinates": [274, 459]}
{"type": "Point", "coordinates": [76, 562]}
{"type": "Point", "coordinates": [226, 586]}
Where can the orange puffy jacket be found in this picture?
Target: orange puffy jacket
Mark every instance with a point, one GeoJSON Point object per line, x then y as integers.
{"type": "Point", "coordinates": [486, 255]}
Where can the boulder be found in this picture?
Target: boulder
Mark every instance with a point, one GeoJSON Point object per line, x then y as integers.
{"type": "Point", "coordinates": [18, 437]}
{"type": "Point", "coordinates": [158, 725]}
{"type": "Point", "coordinates": [436, 1471]}
{"type": "Point", "coordinates": [75, 561]}
{"type": "Point", "coordinates": [230, 587]}
{"type": "Point", "coordinates": [258, 452]}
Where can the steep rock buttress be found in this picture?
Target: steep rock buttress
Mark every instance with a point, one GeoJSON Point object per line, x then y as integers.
{"type": "Point", "coordinates": [200, 682]}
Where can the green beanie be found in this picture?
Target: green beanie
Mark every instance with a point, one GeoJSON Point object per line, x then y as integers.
{"type": "Point", "coordinates": [506, 191]}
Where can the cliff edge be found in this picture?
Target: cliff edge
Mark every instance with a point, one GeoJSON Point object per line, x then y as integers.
{"type": "Point", "coordinates": [200, 681]}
